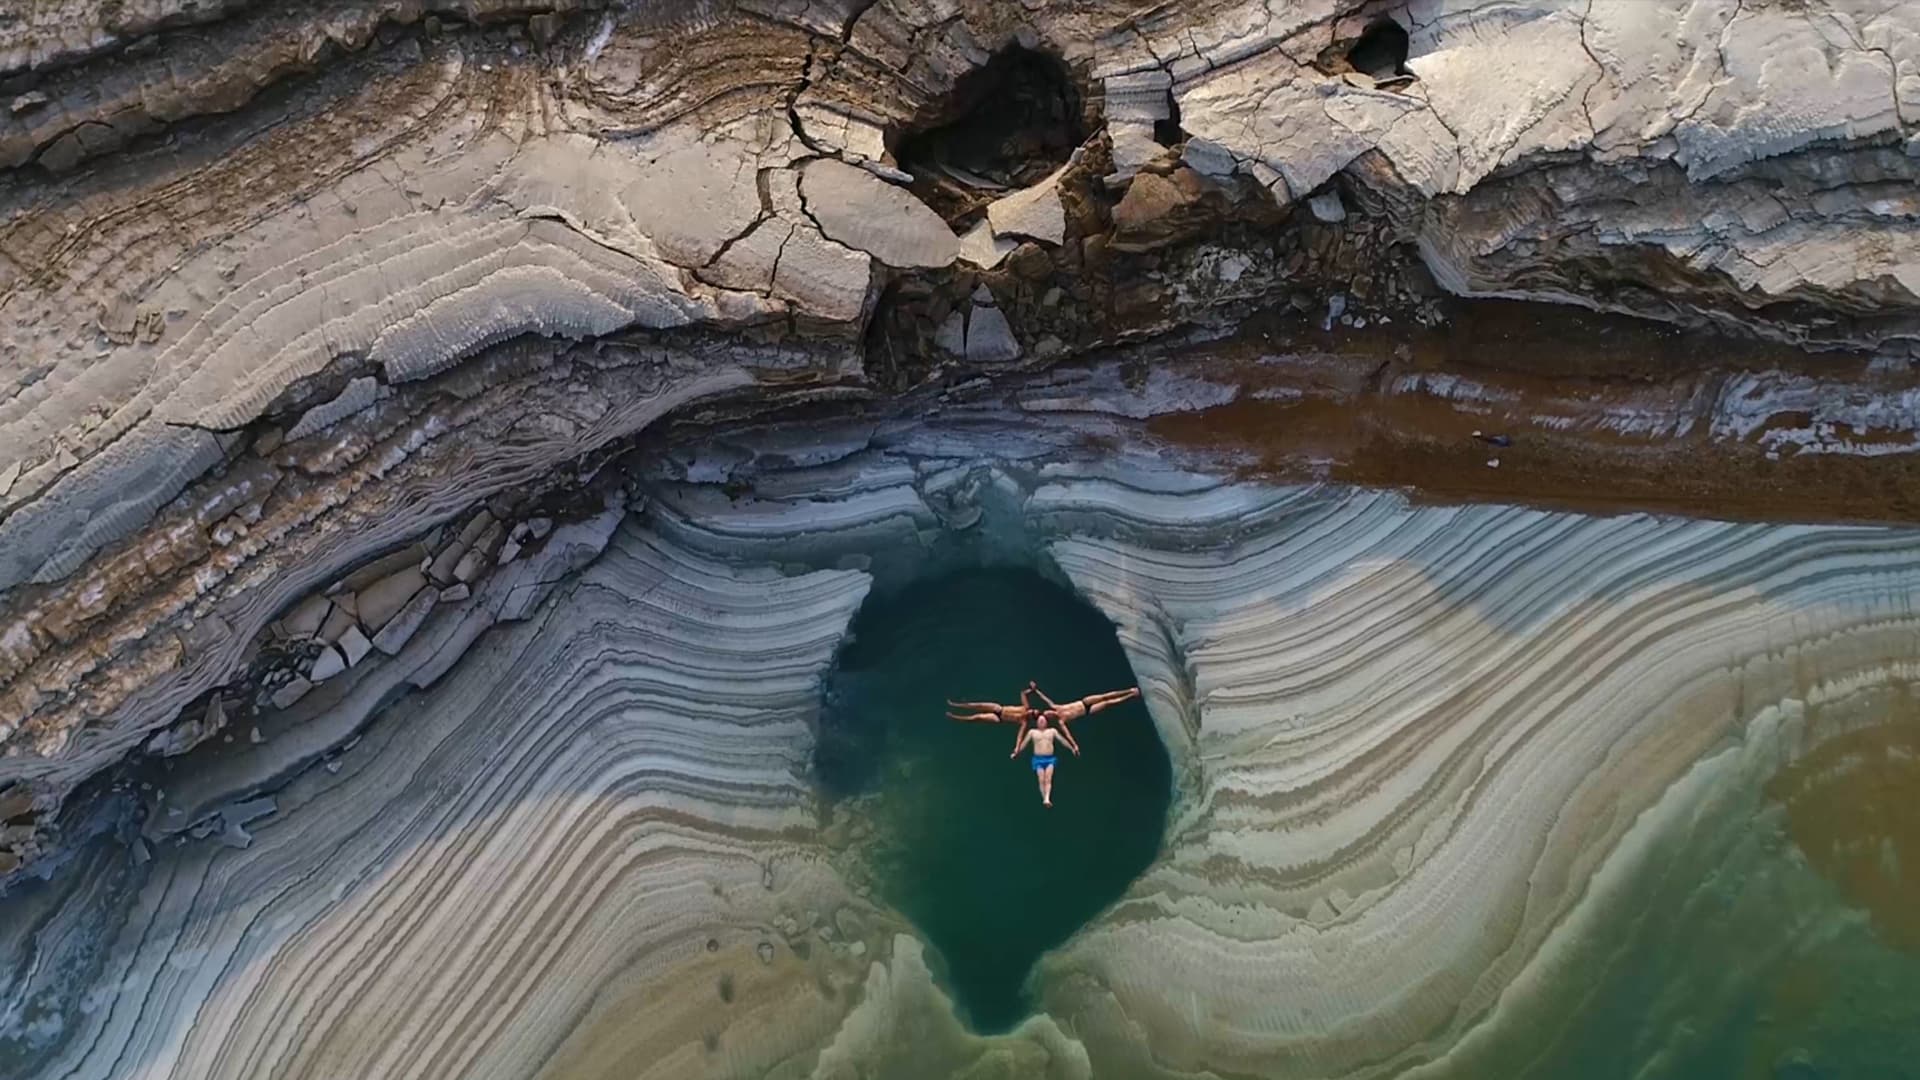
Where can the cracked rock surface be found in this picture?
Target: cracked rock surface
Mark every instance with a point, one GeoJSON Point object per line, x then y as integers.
{"type": "Point", "coordinates": [337, 334]}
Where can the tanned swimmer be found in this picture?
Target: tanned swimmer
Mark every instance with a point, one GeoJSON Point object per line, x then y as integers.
{"type": "Point", "coordinates": [1083, 707]}
{"type": "Point", "coordinates": [991, 712]}
{"type": "Point", "coordinates": [1042, 736]}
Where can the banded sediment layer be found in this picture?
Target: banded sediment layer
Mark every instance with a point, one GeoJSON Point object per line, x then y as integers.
{"type": "Point", "coordinates": [442, 446]}
{"type": "Point", "coordinates": [1414, 756]}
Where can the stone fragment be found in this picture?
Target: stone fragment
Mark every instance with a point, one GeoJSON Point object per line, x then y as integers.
{"type": "Point", "coordinates": [864, 212]}
{"type": "Point", "coordinates": [456, 593]}
{"type": "Point", "coordinates": [28, 101]}
{"type": "Point", "coordinates": [384, 566]}
{"type": "Point", "coordinates": [395, 635]}
{"type": "Point", "coordinates": [829, 278]}
{"type": "Point", "coordinates": [291, 693]}
{"type": "Point", "coordinates": [328, 664]}
{"type": "Point", "coordinates": [380, 601]}
{"type": "Point", "coordinates": [951, 335]}
{"type": "Point", "coordinates": [1157, 210]}
{"type": "Point", "coordinates": [764, 951]}
{"type": "Point", "coordinates": [15, 802]}
{"type": "Point", "coordinates": [1035, 213]}
{"type": "Point", "coordinates": [441, 569]}
{"type": "Point", "coordinates": [307, 617]}
{"type": "Point", "coordinates": [1327, 207]}
{"type": "Point", "coordinates": [509, 551]}
{"type": "Point", "coordinates": [355, 645]}
{"type": "Point", "coordinates": [475, 528]}
{"type": "Point", "coordinates": [338, 623]}
{"type": "Point", "coordinates": [544, 27]}
{"type": "Point", "coordinates": [982, 248]}
{"type": "Point", "coordinates": [990, 338]}
{"type": "Point", "coordinates": [539, 527]}
{"type": "Point", "coordinates": [8, 476]}
{"type": "Point", "coordinates": [469, 566]}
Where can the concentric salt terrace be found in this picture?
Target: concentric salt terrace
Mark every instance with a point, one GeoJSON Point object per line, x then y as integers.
{"type": "Point", "coordinates": [443, 448]}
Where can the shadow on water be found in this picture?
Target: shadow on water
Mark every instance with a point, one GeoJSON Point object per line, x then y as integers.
{"type": "Point", "coordinates": [960, 842]}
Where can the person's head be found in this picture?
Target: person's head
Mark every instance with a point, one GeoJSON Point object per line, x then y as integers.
{"type": "Point", "coordinates": [1043, 719]}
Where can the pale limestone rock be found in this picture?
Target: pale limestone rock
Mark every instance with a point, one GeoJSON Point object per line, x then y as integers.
{"type": "Point", "coordinates": [984, 249]}
{"type": "Point", "coordinates": [328, 664]}
{"type": "Point", "coordinates": [1034, 213]}
{"type": "Point", "coordinates": [406, 622]}
{"type": "Point", "coordinates": [307, 617]}
{"type": "Point", "coordinates": [951, 335]}
{"type": "Point", "coordinates": [990, 337]}
{"type": "Point", "coordinates": [354, 645]}
{"type": "Point", "coordinates": [1327, 207]}
{"type": "Point", "coordinates": [866, 213]}
{"type": "Point", "coordinates": [380, 601]}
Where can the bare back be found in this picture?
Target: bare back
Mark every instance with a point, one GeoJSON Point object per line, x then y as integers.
{"type": "Point", "coordinates": [1015, 714]}
{"type": "Point", "coordinates": [1068, 711]}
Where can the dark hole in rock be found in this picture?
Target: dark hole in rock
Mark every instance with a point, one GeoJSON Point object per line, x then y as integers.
{"type": "Point", "coordinates": [1168, 132]}
{"type": "Point", "coordinates": [1381, 51]}
{"type": "Point", "coordinates": [1006, 125]}
{"type": "Point", "coordinates": [953, 830]}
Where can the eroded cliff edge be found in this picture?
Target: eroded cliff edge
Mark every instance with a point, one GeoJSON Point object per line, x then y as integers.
{"type": "Point", "coordinates": [289, 291]}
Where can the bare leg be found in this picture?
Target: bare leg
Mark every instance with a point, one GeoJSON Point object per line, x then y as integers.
{"type": "Point", "coordinates": [1096, 702]}
{"type": "Point", "coordinates": [974, 706]}
{"type": "Point", "coordinates": [975, 718]}
{"type": "Point", "coordinates": [1046, 786]}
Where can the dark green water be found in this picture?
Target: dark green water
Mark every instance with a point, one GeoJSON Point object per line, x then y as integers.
{"type": "Point", "coordinates": [960, 842]}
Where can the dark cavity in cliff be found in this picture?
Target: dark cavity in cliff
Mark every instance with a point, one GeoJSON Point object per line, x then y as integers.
{"type": "Point", "coordinates": [1005, 125]}
{"type": "Point", "coordinates": [949, 826]}
{"type": "Point", "coordinates": [1381, 51]}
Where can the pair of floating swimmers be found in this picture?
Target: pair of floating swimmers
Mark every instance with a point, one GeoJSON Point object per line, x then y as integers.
{"type": "Point", "coordinates": [1042, 734]}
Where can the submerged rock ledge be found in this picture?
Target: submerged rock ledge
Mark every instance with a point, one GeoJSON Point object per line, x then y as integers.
{"type": "Point", "coordinates": [1405, 741]}
{"type": "Point", "coordinates": [384, 444]}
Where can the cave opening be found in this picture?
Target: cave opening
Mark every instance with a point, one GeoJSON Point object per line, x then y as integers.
{"type": "Point", "coordinates": [1381, 51]}
{"type": "Point", "coordinates": [1006, 125]}
{"type": "Point", "coordinates": [951, 829]}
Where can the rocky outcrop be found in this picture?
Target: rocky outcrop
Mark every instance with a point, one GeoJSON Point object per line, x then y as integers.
{"type": "Point", "coordinates": [1389, 724]}
{"type": "Point", "coordinates": [1415, 755]}
{"type": "Point", "coordinates": [313, 314]}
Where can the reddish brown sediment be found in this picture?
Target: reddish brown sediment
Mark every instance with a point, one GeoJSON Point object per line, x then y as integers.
{"type": "Point", "coordinates": [1603, 413]}
{"type": "Point", "coordinates": [1851, 808]}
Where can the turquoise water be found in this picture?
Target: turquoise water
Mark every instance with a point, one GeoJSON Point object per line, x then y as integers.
{"type": "Point", "coordinates": [1769, 938]}
{"type": "Point", "coordinates": [960, 843]}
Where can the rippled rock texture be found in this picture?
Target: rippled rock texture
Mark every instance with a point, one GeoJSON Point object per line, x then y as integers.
{"type": "Point", "coordinates": [340, 337]}
{"type": "Point", "coordinates": [285, 289]}
{"type": "Point", "coordinates": [1416, 751]}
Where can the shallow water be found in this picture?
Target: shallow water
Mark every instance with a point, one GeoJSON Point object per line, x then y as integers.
{"type": "Point", "coordinates": [959, 841]}
{"type": "Point", "coordinates": [1767, 938]}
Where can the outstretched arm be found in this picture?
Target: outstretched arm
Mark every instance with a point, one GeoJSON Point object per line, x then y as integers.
{"type": "Point", "coordinates": [1021, 745]}
{"type": "Point", "coordinates": [1067, 737]}
{"type": "Point", "coordinates": [1035, 687]}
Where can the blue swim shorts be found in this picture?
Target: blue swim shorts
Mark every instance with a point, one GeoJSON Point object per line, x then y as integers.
{"type": "Point", "coordinates": [1041, 761]}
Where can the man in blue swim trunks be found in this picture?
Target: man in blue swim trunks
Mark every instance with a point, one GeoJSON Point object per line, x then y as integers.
{"type": "Point", "coordinates": [1042, 735]}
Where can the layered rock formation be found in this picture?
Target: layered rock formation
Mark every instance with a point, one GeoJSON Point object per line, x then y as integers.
{"type": "Point", "coordinates": [317, 316]}
{"type": "Point", "coordinates": [1415, 755]}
